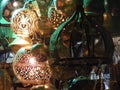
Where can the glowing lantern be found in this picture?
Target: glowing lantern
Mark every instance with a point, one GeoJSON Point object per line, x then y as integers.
{"type": "Point", "coordinates": [32, 67]}
{"type": "Point", "coordinates": [24, 22]}
{"type": "Point", "coordinates": [60, 10]}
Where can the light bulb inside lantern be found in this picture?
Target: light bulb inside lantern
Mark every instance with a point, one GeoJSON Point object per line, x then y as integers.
{"type": "Point", "coordinates": [46, 86]}
{"type": "Point", "coordinates": [32, 61]}
{"type": "Point", "coordinates": [15, 4]}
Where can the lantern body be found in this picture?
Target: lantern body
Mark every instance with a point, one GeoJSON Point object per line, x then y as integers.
{"type": "Point", "coordinates": [24, 22]}
{"type": "Point", "coordinates": [31, 68]}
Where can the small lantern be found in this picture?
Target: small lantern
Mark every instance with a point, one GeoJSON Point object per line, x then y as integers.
{"type": "Point", "coordinates": [24, 22]}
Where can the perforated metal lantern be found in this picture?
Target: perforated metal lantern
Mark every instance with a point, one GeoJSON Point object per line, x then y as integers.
{"type": "Point", "coordinates": [60, 10]}
{"type": "Point", "coordinates": [31, 68]}
{"type": "Point", "coordinates": [24, 22]}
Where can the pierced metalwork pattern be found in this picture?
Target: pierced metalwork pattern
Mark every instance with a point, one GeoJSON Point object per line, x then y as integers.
{"type": "Point", "coordinates": [56, 18]}
{"type": "Point", "coordinates": [24, 22]}
{"type": "Point", "coordinates": [30, 70]}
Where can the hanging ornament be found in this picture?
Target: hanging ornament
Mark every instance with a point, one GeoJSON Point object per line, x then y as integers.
{"type": "Point", "coordinates": [31, 65]}
{"type": "Point", "coordinates": [60, 10]}
{"type": "Point", "coordinates": [24, 22]}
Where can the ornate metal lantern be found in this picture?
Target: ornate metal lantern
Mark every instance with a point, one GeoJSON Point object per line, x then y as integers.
{"type": "Point", "coordinates": [31, 65]}
{"type": "Point", "coordinates": [24, 22]}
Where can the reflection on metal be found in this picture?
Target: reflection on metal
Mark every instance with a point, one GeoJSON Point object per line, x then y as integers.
{"type": "Point", "coordinates": [21, 41]}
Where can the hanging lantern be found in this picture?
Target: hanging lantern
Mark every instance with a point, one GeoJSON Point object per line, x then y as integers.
{"type": "Point", "coordinates": [24, 22]}
{"type": "Point", "coordinates": [60, 10]}
{"type": "Point", "coordinates": [32, 67]}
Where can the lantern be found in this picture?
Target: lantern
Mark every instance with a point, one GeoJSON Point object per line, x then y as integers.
{"type": "Point", "coordinates": [24, 22]}
{"type": "Point", "coordinates": [60, 10]}
{"type": "Point", "coordinates": [32, 67]}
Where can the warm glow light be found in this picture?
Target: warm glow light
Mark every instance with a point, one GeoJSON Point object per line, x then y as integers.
{"type": "Point", "coordinates": [31, 73]}
{"type": "Point", "coordinates": [15, 4]}
{"type": "Point", "coordinates": [20, 41]}
{"type": "Point", "coordinates": [105, 16]}
{"type": "Point", "coordinates": [29, 69]}
{"type": "Point", "coordinates": [32, 60]}
{"type": "Point", "coordinates": [46, 86]}
{"type": "Point", "coordinates": [24, 22]}
{"type": "Point", "coordinates": [23, 42]}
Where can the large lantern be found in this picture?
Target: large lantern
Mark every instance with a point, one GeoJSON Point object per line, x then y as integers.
{"type": "Point", "coordinates": [32, 67]}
